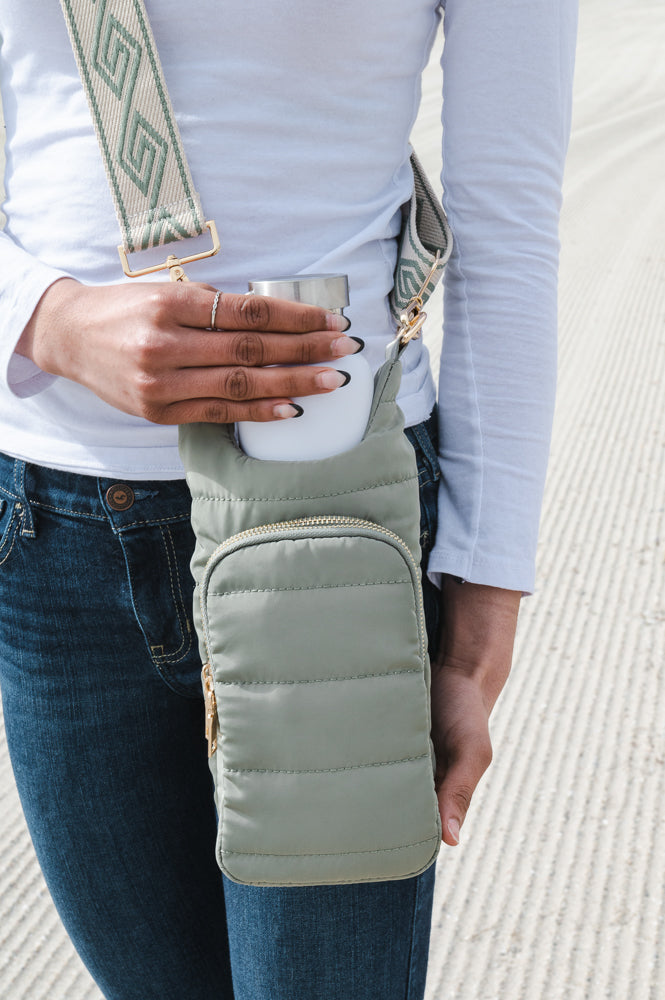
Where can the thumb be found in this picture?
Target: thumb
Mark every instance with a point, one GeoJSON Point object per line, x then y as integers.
{"type": "Point", "coordinates": [458, 785]}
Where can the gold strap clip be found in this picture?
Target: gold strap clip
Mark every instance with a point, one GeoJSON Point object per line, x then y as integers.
{"type": "Point", "coordinates": [412, 319]}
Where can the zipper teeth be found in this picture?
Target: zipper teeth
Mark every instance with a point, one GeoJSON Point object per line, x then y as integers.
{"type": "Point", "coordinates": [322, 521]}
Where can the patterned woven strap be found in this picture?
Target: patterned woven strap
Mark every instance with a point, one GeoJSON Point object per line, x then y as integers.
{"type": "Point", "coordinates": [143, 155]}
{"type": "Point", "coordinates": [425, 232]}
{"type": "Point", "coordinates": [146, 165]}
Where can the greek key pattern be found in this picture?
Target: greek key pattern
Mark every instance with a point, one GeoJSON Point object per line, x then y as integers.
{"type": "Point", "coordinates": [426, 230]}
{"type": "Point", "coordinates": [138, 136]}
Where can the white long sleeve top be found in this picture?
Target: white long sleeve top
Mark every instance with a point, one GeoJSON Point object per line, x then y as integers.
{"type": "Point", "coordinates": [296, 119]}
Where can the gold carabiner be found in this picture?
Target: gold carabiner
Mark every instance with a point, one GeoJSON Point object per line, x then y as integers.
{"type": "Point", "coordinates": [411, 322]}
{"type": "Point", "coordinates": [412, 319]}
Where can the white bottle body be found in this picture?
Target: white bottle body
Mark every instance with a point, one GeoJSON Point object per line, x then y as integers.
{"type": "Point", "coordinates": [331, 422]}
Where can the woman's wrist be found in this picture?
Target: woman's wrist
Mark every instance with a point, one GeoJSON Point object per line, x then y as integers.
{"type": "Point", "coordinates": [478, 625]}
{"type": "Point", "coordinates": [38, 339]}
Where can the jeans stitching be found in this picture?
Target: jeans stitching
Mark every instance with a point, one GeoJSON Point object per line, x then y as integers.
{"type": "Point", "coordinates": [28, 531]}
{"type": "Point", "coordinates": [164, 656]}
{"type": "Point", "coordinates": [11, 532]}
{"type": "Point", "coordinates": [8, 493]}
{"type": "Point", "coordinates": [150, 523]}
{"type": "Point", "coordinates": [67, 510]}
{"type": "Point", "coordinates": [425, 445]}
{"type": "Point", "coordinates": [186, 628]}
{"type": "Point", "coordinates": [178, 686]}
{"type": "Point", "coordinates": [185, 631]}
{"type": "Point", "coordinates": [429, 451]}
{"type": "Point", "coordinates": [409, 976]}
{"type": "Point", "coordinates": [156, 659]}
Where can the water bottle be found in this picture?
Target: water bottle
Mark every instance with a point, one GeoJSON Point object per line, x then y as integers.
{"type": "Point", "coordinates": [331, 423]}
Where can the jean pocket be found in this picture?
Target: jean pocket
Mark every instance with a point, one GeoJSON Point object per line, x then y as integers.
{"type": "Point", "coordinates": [157, 560]}
{"type": "Point", "coordinates": [10, 517]}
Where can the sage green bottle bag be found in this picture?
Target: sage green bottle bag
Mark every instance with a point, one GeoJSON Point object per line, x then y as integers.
{"type": "Point", "coordinates": [310, 610]}
{"type": "Point", "coordinates": [308, 601]}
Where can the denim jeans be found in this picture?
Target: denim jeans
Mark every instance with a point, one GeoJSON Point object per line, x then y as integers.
{"type": "Point", "coordinates": [104, 718]}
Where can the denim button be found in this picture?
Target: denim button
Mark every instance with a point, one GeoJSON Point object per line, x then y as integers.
{"type": "Point", "coordinates": [120, 497]}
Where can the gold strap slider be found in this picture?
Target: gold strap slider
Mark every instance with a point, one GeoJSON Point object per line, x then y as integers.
{"type": "Point", "coordinates": [174, 264]}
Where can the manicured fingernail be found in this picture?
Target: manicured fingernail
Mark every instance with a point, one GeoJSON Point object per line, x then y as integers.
{"type": "Point", "coordinates": [336, 322]}
{"type": "Point", "coordinates": [332, 379]}
{"type": "Point", "coordinates": [453, 829]}
{"type": "Point", "coordinates": [285, 410]}
{"type": "Point", "coordinates": [346, 345]}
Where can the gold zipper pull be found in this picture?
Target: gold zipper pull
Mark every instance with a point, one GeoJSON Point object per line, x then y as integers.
{"type": "Point", "coordinates": [211, 708]}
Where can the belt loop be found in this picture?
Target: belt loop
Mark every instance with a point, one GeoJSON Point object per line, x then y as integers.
{"type": "Point", "coordinates": [27, 520]}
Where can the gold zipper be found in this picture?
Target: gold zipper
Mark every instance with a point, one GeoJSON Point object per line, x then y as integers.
{"type": "Point", "coordinates": [210, 707]}
{"type": "Point", "coordinates": [318, 521]}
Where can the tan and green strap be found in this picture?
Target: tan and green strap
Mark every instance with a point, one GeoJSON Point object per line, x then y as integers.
{"type": "Point", "coordinates": [147, 167]}
{"type": "Point", "coordinates": [425, 244]}
{"type": "Point", "coordinates": [145, 162]}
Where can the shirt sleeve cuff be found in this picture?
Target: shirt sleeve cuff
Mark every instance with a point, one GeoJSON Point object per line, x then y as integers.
{"type": "Point", "coordinates": [25, 379]}
{"type": "Point", "coordinates": [22, 376]}
{"type": "Point", "coordinates": [509, 575]}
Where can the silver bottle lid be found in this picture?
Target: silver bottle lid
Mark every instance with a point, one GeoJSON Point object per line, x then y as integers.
{"type": "Point", "coordinates": [328, 291]}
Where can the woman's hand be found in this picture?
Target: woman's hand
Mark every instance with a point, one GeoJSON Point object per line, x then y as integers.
{"type": "Point", "coordinates": [478, 632]}
{"type": "Point", "coordinates": [146, 350]}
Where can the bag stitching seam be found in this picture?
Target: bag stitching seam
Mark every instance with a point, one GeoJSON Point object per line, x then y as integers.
{"type": "Point", "coordinates": [321, 680]}
{"type": "Point", "coordinates": [334, 854]}
{"type": "Point", "coordinates": [318, 496]}
{"type": "Point", "coordinates": [323, 770]}
{"type": "Point", "coordinates": [322, 586]}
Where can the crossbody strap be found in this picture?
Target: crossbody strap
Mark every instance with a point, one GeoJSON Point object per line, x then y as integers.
{"type": "Point", "coordinates": [425, 244]}
{"type": "Point", "coordinates": [145, 162]}
{"type": "Point", "coordinates": [149, 176]}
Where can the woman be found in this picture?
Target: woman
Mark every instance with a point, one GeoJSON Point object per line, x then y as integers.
{"type": "Point", "coordinates": [296, 122]}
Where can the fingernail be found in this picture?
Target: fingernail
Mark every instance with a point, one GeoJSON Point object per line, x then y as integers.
{"type": "Point", "coordinates": [336, 322]}
{"type": "Point", "coordinates": [358, 341]}
{"type": "Point", "coordinates": [285, 410]}
{"type": "Point", "coordinates": [345, 345]}
{"type": "Point", "coordinates": [332, 379]}
{"type": "Point", "coordinates": [453, 829]}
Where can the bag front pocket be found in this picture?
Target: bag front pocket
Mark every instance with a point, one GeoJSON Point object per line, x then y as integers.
{"type": "Point", "coordinates": [317, 650]}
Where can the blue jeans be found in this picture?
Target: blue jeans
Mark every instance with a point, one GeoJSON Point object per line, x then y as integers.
{"type": "Point", "coordinates": [104, 718]}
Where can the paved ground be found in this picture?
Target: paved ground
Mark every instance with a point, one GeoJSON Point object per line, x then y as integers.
{"type": "Point", "coordinates": [557, 890]}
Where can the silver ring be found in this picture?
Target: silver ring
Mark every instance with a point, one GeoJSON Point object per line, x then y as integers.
{"type": "Point", "coordinates": [214, 310]}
